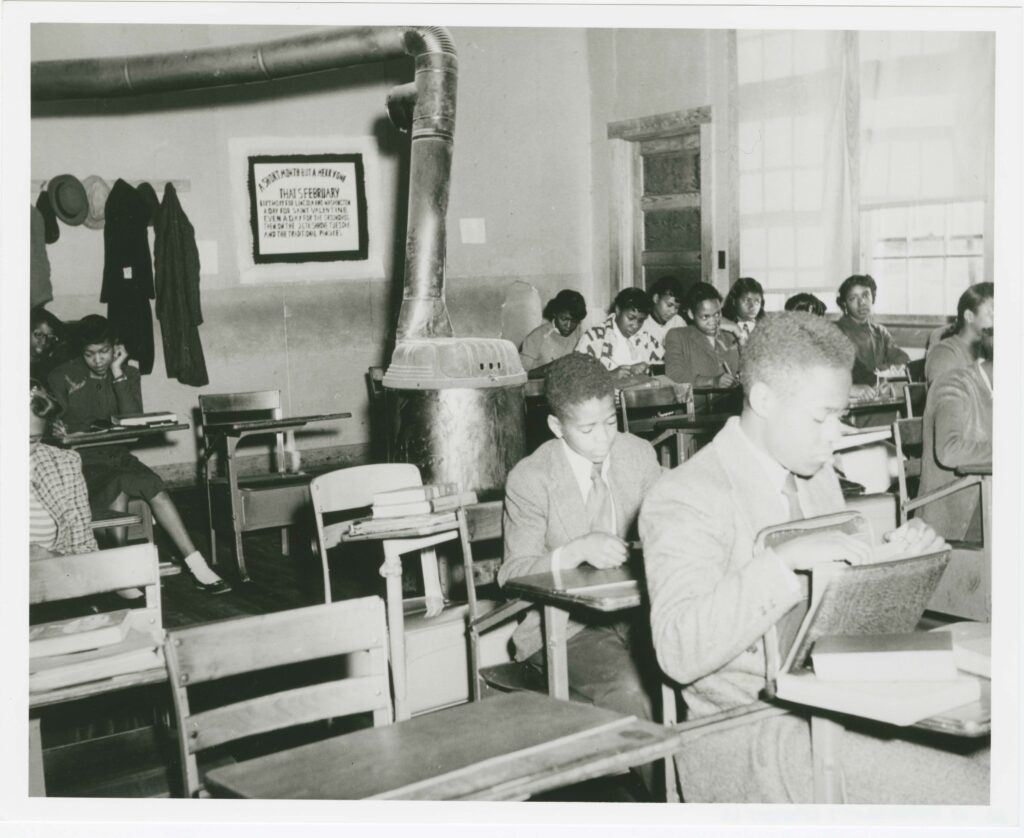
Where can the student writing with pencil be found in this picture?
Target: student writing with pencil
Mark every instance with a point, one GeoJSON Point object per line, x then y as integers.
{"type": "Point", "coordinates": [704, 356]}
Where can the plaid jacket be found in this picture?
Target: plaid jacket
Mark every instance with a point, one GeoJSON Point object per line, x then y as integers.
{"type": "Point", "coordinates": [56, 476]}
{"type": "Point", "coordinates": [599, 342]}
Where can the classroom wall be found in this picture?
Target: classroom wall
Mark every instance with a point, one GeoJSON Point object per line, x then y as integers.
{"type": "Point", "coordinates": [642, 72]}
{"type": "Point", "coordinates": [523, 119]}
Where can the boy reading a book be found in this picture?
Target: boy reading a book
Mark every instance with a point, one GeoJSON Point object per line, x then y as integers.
{"type": "Point", "coordinates": [715, 601]}
{"type": "Point", "coordinates": [572, 502]}
{"type": "Point", "coordinates": [91, 388]}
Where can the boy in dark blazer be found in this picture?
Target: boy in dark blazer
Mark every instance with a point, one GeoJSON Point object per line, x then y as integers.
{"type": "Point", "coordinates": [572, 502]}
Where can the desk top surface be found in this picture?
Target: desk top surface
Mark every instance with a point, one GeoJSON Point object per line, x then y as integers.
{"type": "Point", "coordinates": [504, 748]}
{"type": "Point", "coordinates": [243, 425]}
{"type": "Point", "coordinates": [74, 692]}
{"type": "Point", "coordinates": [615, 589]}
{"type": "Point", "coordinates": [698, 421]}
{"type": "Point", "coordinates": [113, 435]}
{"type": "Point", "coordinates": [876, 404]}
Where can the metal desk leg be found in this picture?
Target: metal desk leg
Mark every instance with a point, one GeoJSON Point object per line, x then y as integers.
{"type": "Point", "coordinates": [36, 777]}
{"type": "Point", "coordinates": [556, 621]}
{"type": "Point", "coordinates": [236, 509]}
{"type": "Point", "coordinates": [826, 743]}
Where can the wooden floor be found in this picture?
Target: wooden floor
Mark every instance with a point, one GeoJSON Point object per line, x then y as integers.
{"type": "Point", "coordinates": [121, 746]}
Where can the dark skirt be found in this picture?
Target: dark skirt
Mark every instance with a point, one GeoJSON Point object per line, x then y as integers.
{"type": "Point", "coordinates": [112, 470]}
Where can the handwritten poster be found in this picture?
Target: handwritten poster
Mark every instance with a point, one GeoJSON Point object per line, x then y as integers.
{"type": "Point", "coordinates": [308, 208]}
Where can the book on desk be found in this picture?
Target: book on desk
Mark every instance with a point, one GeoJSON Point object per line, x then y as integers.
{"type": "Point", "coordinates": [78, 634]}
{"type": "Point", "coordinates": [144, 420]}
{"type": "Point", "coordinates": [884, 596]}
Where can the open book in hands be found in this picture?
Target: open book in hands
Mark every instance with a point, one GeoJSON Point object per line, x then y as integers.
{"type": "Point", "coordinates": [886, 594]}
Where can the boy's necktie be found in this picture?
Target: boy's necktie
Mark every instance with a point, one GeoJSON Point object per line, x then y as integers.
{"type": "Point", "coordinates": [792, 497]}
{"type": "Point", "coordinates": [599, 502]}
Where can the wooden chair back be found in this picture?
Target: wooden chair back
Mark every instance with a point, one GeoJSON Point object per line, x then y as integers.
{"type": "Point", "coordinates": [639, 407]}
{"type": "Point", "coordinates": [211, 652]}
{"type": "Point", "coordinates": [352, 488]}
{"type": "Point", "coordinates": [908, 437]}
{"type": "Point", "coordinates": [221, 408]}
{"type": "Point", "coordinates": [58, 578]}
{"type": "Point", "coordinates": [914, 396]}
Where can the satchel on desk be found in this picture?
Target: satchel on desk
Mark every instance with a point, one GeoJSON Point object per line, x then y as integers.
{"type": "Point", "coordinates": [886, 596]}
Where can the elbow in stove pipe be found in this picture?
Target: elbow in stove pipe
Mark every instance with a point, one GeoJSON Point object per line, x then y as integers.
{"type": "Point", "coordinates": [429, 114]}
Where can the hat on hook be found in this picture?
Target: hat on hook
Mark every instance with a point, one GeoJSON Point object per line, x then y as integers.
{"type": "Point", "coordinates": [96, 190]}
{"type": "Point", "coordinates": [68, 199]}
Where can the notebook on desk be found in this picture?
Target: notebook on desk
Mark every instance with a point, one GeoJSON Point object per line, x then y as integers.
{"type": "Point", "coordinates": [888, 595]}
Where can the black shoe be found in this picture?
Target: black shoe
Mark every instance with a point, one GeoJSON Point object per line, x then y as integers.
{"type": "Point", "coordinates": [214, 588]}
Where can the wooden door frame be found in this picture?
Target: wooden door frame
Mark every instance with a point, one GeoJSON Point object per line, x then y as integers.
{"type": "Point", "coordinates": [625, 216]}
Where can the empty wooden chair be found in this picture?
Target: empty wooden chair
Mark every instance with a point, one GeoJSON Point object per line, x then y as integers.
{"type": "Point", "coordinates": [135, 660]}
{"type": "Point", "coordinates": [420, 627]}
{"type": "Point", "coordinates": [215, 651]}
{"type": "Point", "coordinates": [237, 503]}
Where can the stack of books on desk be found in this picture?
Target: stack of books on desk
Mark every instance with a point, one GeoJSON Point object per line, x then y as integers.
{"type": "Point", "coordinates": [413, 508]}
{"type": "Point", "coordinates": [420, 500]}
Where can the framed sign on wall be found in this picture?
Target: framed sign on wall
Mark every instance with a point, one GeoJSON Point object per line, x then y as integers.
{"type": "Point", "coordinates": [307, 208]}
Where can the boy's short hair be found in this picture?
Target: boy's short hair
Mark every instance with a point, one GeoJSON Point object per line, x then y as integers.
{"type": "Point", "coordinates": [629, 299]}
{"type": "Point", "coordinates": [44, 405]}
{"type": "Point", "coordinates": [93, 329]}
{"type": "Point", "coordinates": [568, 301]}
{"type": "Point", "coordinates": [805, 302]}
{"type": "Point", "coordinates": [851, 282]}
{"type": "Point", "coordinates": [787, 344]}
{"type": "Point", "coordinates": [574, 379]}
{"type": "Point", "coordinates": [667, 286]}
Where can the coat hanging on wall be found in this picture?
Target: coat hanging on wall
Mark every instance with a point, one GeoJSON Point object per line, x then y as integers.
{"type": "Point", "coordinates": [40, 290]}
{"type": "Point", "coordinates": [50, 226]}
{"type": "Point", "coordinates": [177, 292]}
{"type": "Point", "coordinates": [128, 272]}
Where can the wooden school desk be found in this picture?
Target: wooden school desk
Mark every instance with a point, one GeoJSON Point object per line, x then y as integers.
{"type": "Point", "coordinates": [504, 748]}
{"type": "Point", "coordinates": [689, 429]}
{"type": "Point", "coordinates": [113, 436]}
{"type": "Point", "coordinates": [580, 587]}
{"type": "Point", "coordinates": [409, 540]}
{"type": "Point", "coordinates": [970, 721]}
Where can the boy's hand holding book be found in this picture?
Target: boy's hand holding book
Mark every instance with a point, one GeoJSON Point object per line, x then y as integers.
{"type": "Point", "coordinates": [817, 548]}
{"type": "Point", "coordinates": [913, 538]}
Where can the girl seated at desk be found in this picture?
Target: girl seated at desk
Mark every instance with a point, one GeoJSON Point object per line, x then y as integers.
{"type": "Point", "coordinates": [619, 343]}
{"type": "Point", "coordinates": [91, 388]}
{"type": "Point", "coordinates": [58, 501]}
{"type": "Point", "coordinates": [557, 336]}
{"type": "Point", "coordinates": [743, 308]}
